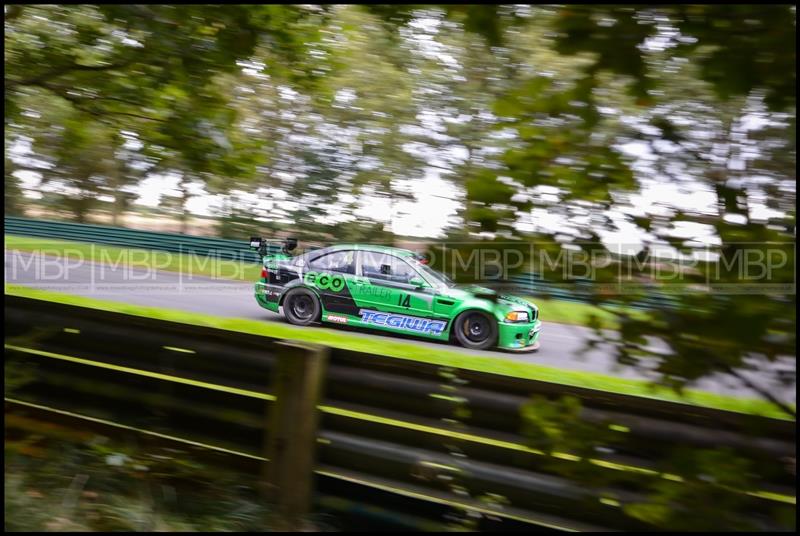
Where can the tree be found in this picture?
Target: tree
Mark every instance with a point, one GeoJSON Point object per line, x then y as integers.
{"type": "Point", "coordinates": [78, 153]}
{"type": "Point", "coordinates": [151, 70]}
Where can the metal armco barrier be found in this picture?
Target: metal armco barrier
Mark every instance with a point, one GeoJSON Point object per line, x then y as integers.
{"type": "Point", "coordinates": [399, 435]}
{"type": "Point", "coordinates": [583, 292]}
{"type": "Point", "coordinates": [132, 238]}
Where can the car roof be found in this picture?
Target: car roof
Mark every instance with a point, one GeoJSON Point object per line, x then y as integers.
{"type": "Point", "coordinates": [368, 247]}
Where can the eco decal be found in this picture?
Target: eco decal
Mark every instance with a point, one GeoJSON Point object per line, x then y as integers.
{"type": "Point", "coordinates": [324, 281]}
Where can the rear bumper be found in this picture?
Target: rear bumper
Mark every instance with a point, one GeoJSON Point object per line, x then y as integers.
{"type": "Point", "coordinates": [267, 296]}
{"type": "Point", "coordinates": [519, 337]}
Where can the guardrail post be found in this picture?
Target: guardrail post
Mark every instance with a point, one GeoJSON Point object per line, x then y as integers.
{"type": "Point", "coordinates": [291, 435]}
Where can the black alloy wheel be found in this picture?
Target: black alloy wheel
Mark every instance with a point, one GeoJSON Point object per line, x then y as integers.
{"type": "Point", "coordinates": [301, 307]}
{"type": "Point", "coordinates": [475, 329]}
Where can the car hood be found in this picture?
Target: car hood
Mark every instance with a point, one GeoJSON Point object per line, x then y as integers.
{"type": "Point", "coordinates": [476, 291]}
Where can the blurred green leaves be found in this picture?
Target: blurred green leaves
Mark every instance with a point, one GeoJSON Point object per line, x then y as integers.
{"type": "Point", "coordinates": [739, 48]}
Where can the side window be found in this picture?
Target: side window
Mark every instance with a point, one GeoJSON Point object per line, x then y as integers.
{"type": "Point", "coordinates": [343, 262]}
{"type": "Point", "coordinates": [385, 267]}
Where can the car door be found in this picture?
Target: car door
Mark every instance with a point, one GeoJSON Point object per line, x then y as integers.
{"type": "Point", "coordinates": [331, 274]}
{"type": "Point", "coordinates": [384, 284]}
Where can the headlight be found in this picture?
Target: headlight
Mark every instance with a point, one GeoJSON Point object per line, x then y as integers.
{"type": "Point", "coordinates": [517, 316]}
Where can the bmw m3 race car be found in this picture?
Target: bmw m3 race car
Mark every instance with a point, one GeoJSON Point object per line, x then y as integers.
{"type": "Point", "coordinates": [392, 290]}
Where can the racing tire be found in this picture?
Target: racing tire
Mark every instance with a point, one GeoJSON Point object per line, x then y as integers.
{"type": "Point", "coordinates": [301, 307]}
{"type": "Point", "coordinates": [476, 330]}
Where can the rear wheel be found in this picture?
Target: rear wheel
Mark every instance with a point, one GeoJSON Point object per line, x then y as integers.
{"type": "Point", "coordinates": [475, 329]}
{"type": "Point", "coordinates": [301, 307]}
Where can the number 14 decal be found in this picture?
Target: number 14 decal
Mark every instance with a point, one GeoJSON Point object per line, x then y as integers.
{"type": "Point", "coordinates": [404, 300]}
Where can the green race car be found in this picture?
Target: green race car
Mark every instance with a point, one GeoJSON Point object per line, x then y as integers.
{"type": "Point", "coordinates": [390, 289]}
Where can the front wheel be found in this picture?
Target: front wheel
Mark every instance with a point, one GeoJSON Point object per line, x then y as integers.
{"type": "Point", "coordinates": [301, 307]}
{"type": "Point", "coordinates": [476, 330]}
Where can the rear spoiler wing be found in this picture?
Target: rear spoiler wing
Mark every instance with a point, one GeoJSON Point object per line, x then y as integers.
{"type": "Point", "coordinates": [260, 244]}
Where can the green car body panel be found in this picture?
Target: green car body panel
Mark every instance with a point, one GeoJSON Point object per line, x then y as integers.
{"type": "Point", "coordinates": [388, 289]}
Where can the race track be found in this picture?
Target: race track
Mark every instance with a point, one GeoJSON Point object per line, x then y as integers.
{"type": "Point", "coordinates": [562, 345]}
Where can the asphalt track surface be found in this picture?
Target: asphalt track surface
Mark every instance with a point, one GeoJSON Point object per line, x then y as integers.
{"type": "Point", "coordinates": [562, 345]}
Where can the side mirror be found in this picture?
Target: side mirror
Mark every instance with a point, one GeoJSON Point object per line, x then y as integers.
{"type": "Point", "coordinates": [417, 282]}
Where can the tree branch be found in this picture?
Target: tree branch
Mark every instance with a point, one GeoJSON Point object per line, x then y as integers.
{"type": "Point", "coordinates": [54, 73]}
{"type": "Point", "coordinates": [23, 167]}
{"type": "Point", "coordinates": [78, 102]}
{"type": "Point", "coordinates": [760, 390]}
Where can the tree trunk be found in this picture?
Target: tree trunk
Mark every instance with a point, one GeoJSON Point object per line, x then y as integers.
{"type": "Point", "coordinates": [184, 214]}
{"type": "Point", "coordinates": [80, 209]}
{"type": "Point", "coordinates": [13, 200]}
{"type": "Point", "coordinates": [184, 222]}
{"type": "Point", "coordinates": [117, 207]}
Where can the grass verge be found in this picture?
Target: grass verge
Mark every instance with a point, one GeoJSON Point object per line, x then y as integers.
{"type": "Point", "coordinates": [581, 314]}
{"type": "Point", "coordinates": [405, 350]}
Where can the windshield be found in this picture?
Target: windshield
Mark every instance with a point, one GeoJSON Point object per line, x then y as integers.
{"type": "Point", "coordinates": [433, 276]}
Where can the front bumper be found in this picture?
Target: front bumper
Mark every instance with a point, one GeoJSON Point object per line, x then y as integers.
{"type": "Point", "coordinates": [519, 337]}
